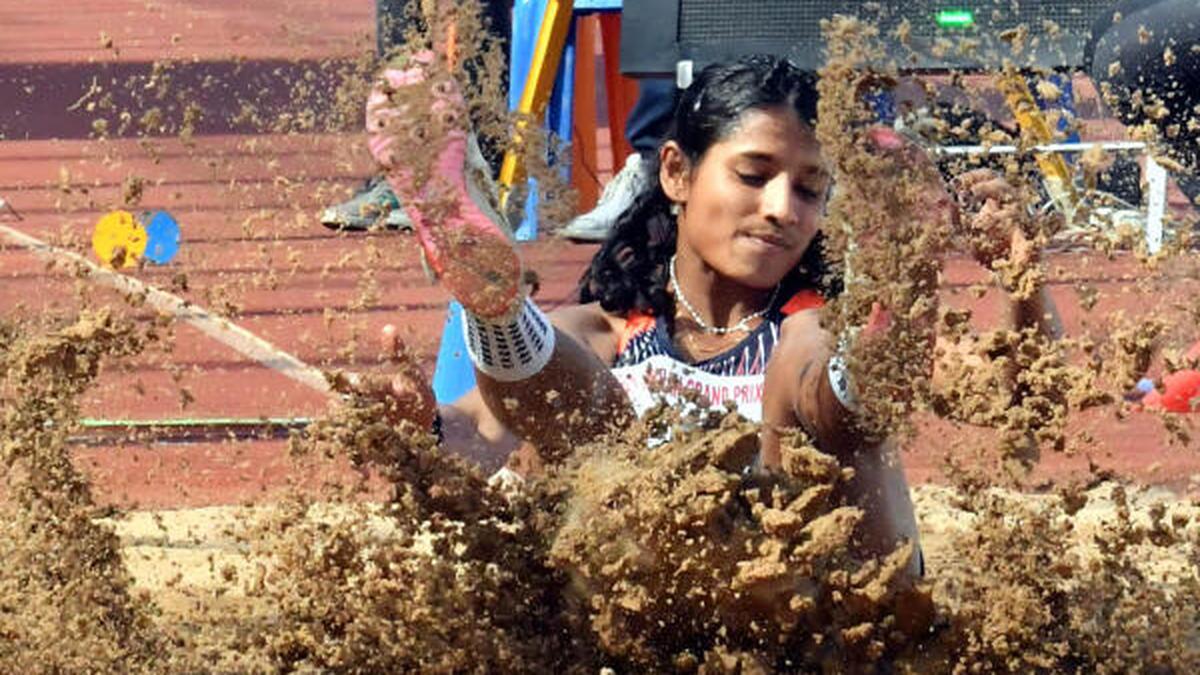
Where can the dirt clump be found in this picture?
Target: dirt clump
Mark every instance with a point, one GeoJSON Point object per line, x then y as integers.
{"type": "Point", "coordinates": [687, 560]}
{"type": "Point", "coordinates": [681, 558]}
{"type": "Point", "coordinates": [447, 575]}
{"type": "Point", "coordinates": [65, 599]}
{"type": "Point", "coordinates": [887, 225]}
{"type": "Point", "coordinates": [1100, 581]}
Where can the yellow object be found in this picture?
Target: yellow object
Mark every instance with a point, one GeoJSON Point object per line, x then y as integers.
{"type": "Point", "coordinates": [539, 83]}
{"type": "Point", "coordinates": [119, 240]}
{"type": "Point", "coordinates": [1036, 130]}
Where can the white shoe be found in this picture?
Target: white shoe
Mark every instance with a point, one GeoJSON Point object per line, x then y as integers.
{"type": "Point", "coordinates": [617, 197]}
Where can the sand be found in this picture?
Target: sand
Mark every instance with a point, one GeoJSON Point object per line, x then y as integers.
{"type": "Point", "coordinates": [682, 559]}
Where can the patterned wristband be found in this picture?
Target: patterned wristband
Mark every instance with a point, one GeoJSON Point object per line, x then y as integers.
{"type": "Point", "coordinates": [511, 349]}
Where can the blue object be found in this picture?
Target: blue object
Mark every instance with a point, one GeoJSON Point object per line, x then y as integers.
{"type": "Point", "coordinates": [526, 23]}
{"type": "Point", "coordinates": [651, 114]}
{"type": "Point", "coordinates": [561, 110]}
{"type": "Point", "coordinates": [162, 238]}
{"type": "Point", "coordinates": [1065, 103]}
{"type": "Point", "coordinates": [454, 375]}
{"type": "Point", "coordinates": [597, 6]}
{"type": "Point", "coordinates": [1140, 390]}
{"type": "Point", "coordinates": [883, 104]}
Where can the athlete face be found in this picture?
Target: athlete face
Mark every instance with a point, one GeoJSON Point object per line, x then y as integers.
{"type": "Point", "coordinates": [753, 203]}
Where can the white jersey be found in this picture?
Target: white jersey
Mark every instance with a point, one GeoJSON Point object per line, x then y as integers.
{"type": "Point", "coordinates": [650, 370]}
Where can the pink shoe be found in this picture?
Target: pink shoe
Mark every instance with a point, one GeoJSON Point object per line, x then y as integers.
{"type": "Point", "coordinates": [416, 113]}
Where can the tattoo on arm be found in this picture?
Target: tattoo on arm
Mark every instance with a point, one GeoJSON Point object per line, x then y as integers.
{"type": "Point", "coordinates": [804, 372]}
{"type": "Point", "coordinates": [809, 398]}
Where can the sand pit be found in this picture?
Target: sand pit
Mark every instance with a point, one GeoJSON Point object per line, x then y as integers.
{"type": "Point", "coordinates": [185, 559]}
{"type": "Point", "coordinates": [181, 551]}
{"type": "Point", "coordinates": [400, 558]}
{"type": "Point", "coordinates": [676, 559]}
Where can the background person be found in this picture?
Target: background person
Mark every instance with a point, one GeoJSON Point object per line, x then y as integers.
{"type": "Point", "coordinates": [375, 202]}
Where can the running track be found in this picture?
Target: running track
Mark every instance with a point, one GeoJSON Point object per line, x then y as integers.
{"type": "Point", "coordinates": [247, 201]}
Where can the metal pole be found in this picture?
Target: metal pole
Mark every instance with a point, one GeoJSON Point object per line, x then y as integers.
{"type": "Point", "coordinates": [1047, 147]}
{"type": "Point", "coordinates": [1156, 181]}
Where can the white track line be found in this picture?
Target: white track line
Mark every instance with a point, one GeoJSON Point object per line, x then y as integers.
{"type": "Point", "coordinates": [220, 329]}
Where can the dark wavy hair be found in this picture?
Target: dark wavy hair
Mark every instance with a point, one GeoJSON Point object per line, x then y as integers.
{"type": "Point", "coordinates": [629, 272]}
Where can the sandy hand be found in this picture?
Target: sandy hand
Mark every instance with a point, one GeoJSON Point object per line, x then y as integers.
{"type": "Point", "coordinates": [897, 216]}
{"type": "Point", "coordinates": [405, 392]}
{"type": "Point", "coordinates": [417, 126]}
{"type": "Point", "coordinates": [879, 322]}
{"type": "Point", "coordinates": [1002, 231]}
{"type": "Point", "coordinates": [996, 217]}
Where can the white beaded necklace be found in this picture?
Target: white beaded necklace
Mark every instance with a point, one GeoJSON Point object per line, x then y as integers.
{"type": "Point", "coordinates": [743, 325]}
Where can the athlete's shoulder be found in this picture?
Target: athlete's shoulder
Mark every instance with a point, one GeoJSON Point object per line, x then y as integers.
{"type": "Point", "coordinates": [592, 326]}
{"type": "Point", "coordinates": [802, 324]}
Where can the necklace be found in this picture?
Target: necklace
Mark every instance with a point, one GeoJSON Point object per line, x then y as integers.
{"type": "Point", "coordinates": [743, 325]}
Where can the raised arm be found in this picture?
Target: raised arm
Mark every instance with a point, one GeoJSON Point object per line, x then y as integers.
{"type": "Point", "coordinates": [848, 390]}
{"type": "Point", "coordinates": [540, 378]}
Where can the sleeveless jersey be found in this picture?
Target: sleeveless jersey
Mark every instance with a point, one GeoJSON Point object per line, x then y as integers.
{"type": "Point", "coordinates": [651, 370]}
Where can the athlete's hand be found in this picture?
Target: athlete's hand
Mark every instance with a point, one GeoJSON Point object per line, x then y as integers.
{"type": "Point", "coordinates": [405, 392]}
{"type": "Point", "coordinates": [418, 130]}
{"type": "Point", "coordinates": [996, 216]}
{"type": "Point", "coordinates": [914, 169]}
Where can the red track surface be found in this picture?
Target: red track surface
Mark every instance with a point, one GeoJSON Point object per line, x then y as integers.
{"type": "Point", "coordinates": [247, 205]}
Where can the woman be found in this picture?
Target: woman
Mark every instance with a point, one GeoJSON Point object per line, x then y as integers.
{"type": "Point", "coordinates": [711, 281]}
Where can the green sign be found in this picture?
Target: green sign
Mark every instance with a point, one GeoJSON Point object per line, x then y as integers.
{"type": "Point", "coordinates": [955, 18]}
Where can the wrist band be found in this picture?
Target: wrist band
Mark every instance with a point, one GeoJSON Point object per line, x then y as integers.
{"type": "Point", "coordinates": [506, 480]}
{"type": "Point", "coordinates": [510, 349]}
{"type": "Point", "coordinates": [839, 381]}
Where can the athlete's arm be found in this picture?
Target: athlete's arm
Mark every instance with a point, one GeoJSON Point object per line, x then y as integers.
{"type": "Point", "coordinates": [799, 394]}
{"type": "Point", "coordinates": [472, 427]}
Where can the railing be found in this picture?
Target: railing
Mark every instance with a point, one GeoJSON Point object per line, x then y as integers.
{"type": "Point", "coordinates": [1154, 173]}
